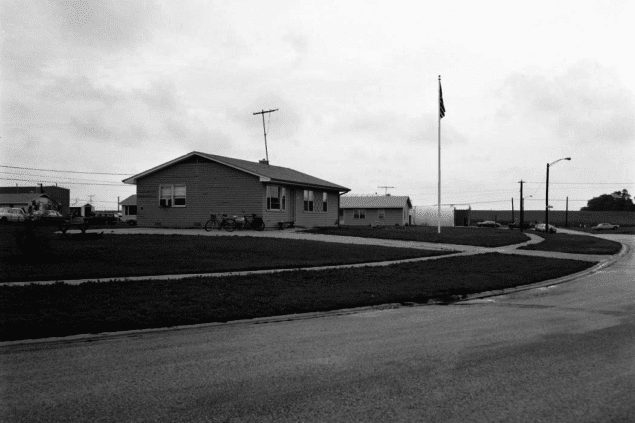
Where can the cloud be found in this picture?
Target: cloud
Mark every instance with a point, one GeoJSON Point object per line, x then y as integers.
{"type": "Point", "coordinates": [587, 103]}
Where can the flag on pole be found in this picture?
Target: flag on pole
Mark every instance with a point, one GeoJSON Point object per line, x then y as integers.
{"type": "Point", "coordinates": [441, 106]}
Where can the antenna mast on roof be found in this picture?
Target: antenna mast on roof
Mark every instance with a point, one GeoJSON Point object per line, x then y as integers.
{"type": "Point", "coordinates": [386, 188]}
{"type": "Point", "coordinates": [264, 128]}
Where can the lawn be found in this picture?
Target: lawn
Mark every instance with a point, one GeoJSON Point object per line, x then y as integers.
{"type": "Point", "coordinates": [622, 230]}
{"type": "Point", "coordinates": [482, 237]}
{"type": "Point", "coordinates": [53, 258]}
{"type": "Point", "coordinates": [575, 244]}
{"type": "Point", "coordinates": [37, 311]}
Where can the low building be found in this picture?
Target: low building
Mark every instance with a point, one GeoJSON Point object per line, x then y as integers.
{"type": "Point", "coordinates": [22, 201]}
{"type": "Point", "coordinates": [129, 209]}
{"type": "Point", "coordinates": [60, 196]}
{"type": "Point", "coordinates": [385, 210]}
{"type": "Point", "coordinates": [185, 191]}
{"type": "Point", "coordinates": [83, 210]}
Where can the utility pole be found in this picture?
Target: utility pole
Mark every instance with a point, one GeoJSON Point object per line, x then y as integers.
{"type": "Point", "coordinates": [522, 206]}
{"type": "Point", "coordinates": [566, 215]}
{"type": "Point", "coordinates": [264, 129]}
{"type": "Point", "coordinates": [386, 189]}
{"type": "Point", "coordinates": [90, 201]}
{"type": "Point", "coordinates": [512, 209]}
{"type": "Point", "coordinates": [117, 204]}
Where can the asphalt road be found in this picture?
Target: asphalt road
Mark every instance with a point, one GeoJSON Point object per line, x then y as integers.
{"type": "Point", "coordinates": [564, 353]}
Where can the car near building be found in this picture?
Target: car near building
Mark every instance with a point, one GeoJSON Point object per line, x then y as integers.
{"type": "Point", "coordinates": [604, 226]}
{"type": "Point", "coordinates": [12, 214]}
{"type": "Point", "coordinates": [48, 218]}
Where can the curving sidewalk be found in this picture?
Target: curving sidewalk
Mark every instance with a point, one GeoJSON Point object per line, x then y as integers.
{"type": "Point", "coordinates": [460, 250]}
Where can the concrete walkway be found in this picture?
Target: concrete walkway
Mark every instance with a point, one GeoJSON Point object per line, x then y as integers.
{"type": "Point", "coordinates": [459, 250]}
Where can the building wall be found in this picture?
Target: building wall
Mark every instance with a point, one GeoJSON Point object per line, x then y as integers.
{"type": "Point", "coordinates": [215, 188]}
{"type": "Point", "coordinates": [557, 217]}
{"type": "Point", "coordinates": [210, 188]}
{"type": "Point", "coordinates": [392, 217]}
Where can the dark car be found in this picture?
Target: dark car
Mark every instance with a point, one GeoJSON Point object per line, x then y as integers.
{"type": "Point", "coordinates": [48, 218]}
{"type": "Point", "coordinates": [488, 224]}
{"type": "Point", "coordinates": [101, 219]}
{"type": "Point", "coordinates": [516, 225]}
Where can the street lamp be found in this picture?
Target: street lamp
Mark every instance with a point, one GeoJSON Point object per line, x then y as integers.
{"type": "Point", "coordinates": [547, 194]}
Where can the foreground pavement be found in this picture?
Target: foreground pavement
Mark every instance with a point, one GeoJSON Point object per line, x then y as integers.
{"type": "Point", "coordinates": [555, 354]}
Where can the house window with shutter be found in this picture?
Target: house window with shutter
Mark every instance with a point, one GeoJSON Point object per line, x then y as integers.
{"type": "Point", "coordinates": [172, 195]}
{"type": "Point", "coordinates": [359, 214]}
{"type": "Point", "coordinates": [324, 202]}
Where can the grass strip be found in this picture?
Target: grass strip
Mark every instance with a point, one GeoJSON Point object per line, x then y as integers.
{"type": "Point", "coordinates": [574, 244]}
{"type": "Point", "coordinates": [37, 311]}
{"type": "Point", "coordinates": [481, 237]}
{"type": "Point", "coordinates": [55, 258]}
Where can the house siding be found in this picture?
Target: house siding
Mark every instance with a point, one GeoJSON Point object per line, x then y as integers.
{"type": "Point", "coordinates": [210, 188]}
{"type": "Point", "coordinates": [393, 216]}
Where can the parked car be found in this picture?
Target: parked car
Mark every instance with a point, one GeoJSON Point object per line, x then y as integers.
{"type": "Point", "coordinates": [516, 225]}
{"type": "Point", "coordinates": [541, 228]}
{"type": "Point", "coordinates": [488, 224]}
{"type": "Point", "coordinates": [602, 226]}
{"type": "Point", "coordinates": [48, 218]}
{"type": "Point", "coordinates": [12, 214]}
{"type": "Point", "coordinates": [101, 219]}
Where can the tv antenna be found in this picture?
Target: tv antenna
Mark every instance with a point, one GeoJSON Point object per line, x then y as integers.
{"type": "Point", "coordinates": [264, 129]}
{"type": "Point", "coordinates": [386, 188]}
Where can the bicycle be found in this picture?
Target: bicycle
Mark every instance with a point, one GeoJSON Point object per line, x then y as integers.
{"type": "Point", "coordinates": [227, 223]}
{"type": "Point", "coordinates": [255, 223]}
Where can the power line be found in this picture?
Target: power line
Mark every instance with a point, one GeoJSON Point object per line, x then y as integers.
{"type": "Point", "coordinates": [585, 183]}
{"type": "Point", "coordinates": [46, 176]}
{"type": "Point", "coordinates": [65, 182]}
{"type": "Point", "coordinates": [65, 171]}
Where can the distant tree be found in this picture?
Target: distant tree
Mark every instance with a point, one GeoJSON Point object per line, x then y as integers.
{"type": "Point", "coordinates": [617, 201]}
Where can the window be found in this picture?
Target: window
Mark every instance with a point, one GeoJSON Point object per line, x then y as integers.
{"type": "Point", "coordinates": [359, 214]}
{"type": "Point", "coordinates": [276, 198]}
{"type": "Point", "coordinates": [324, 202]}
{"type": "Point", "coordinates": [308, 200]}
{"type": "Point", "coordinates": [172, 195]}
{"type": "Point", "coordinates": [381, 213]}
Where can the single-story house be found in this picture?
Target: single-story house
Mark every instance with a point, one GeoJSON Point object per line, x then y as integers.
{"type": "Point", "coordinates": [59, 195]}
{"type": "Point", "coordinates": [42, 201]}
{"type": "Point", "coordinates": [375, 210]}
{"type": "Point", "coordinates": [129, 208]}
{"type": "Point", "coordinates": [83, 210]}
{"type": "Point", "coordinates": [185, 191]}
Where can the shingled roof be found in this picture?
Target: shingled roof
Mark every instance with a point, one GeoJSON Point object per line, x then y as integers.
{"type": "Point", "coordinates": [130, 201]}
{"type": "Point", "coordinates": [266, 172]}
{"type": "Point", "coordinates": [375, 202]}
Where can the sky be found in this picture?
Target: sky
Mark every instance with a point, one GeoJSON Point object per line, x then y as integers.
{"type": "Point", "coordinates": [100, 90]}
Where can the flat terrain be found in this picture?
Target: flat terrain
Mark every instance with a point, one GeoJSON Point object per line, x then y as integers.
{"type": "Point", "coordinates": [561, 354]}
{"type": "Point", "coordinates": [481, 237]}
{"type": "Point", "coordinates": [623, 230]}
{"type": "Point", "coordinates": [52, 257]}
{"type": "Point", "coordinates": [574, 244]}
{"type": "Point", "coordinates": [35, 311]}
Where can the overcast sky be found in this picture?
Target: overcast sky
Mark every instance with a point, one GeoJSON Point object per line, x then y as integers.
{"type": "Point", "coordinates": [122, 86]}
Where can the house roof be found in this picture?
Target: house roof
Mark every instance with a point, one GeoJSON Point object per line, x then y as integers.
{"type": "Point", "coordinates": [130, 201]}
{"type": "Point", "coordinates": [266, 172]}
{"type": "Point", "coordinates": [20, 198]}
{"type": "Point", "coordinates": [375, 202]}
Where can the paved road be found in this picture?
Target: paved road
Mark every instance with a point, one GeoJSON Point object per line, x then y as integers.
{"type": "Point", "coordinates": [565, 354]}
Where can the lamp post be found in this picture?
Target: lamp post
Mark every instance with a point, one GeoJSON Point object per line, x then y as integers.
{"type": "Point", "coordinates": [547, 194]}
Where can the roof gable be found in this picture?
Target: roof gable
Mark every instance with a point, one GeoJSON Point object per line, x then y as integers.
{"type": "Point", "coordinates": [266, 172]}
{"type": "Point", "coordinates": [375, 202]}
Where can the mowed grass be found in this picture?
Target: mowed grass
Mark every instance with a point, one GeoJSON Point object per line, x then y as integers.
{"type": "Point", "coordinates": [575, 244]}
{"type": "Point", "coordinates": [37, 311]}
{"type": "Point", "coordinates": [55, 258]}
{"type": "Point", "coordinates": [622, 230]}
{"type": "Point", "coordinates": [481, 237]}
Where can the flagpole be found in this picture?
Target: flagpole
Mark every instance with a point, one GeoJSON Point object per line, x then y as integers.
{"type": "Point", "coordinates": [439, 199]}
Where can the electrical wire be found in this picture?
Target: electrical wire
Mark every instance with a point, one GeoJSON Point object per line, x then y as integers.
{"type": "Point", "coordinates": [66, 171]}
